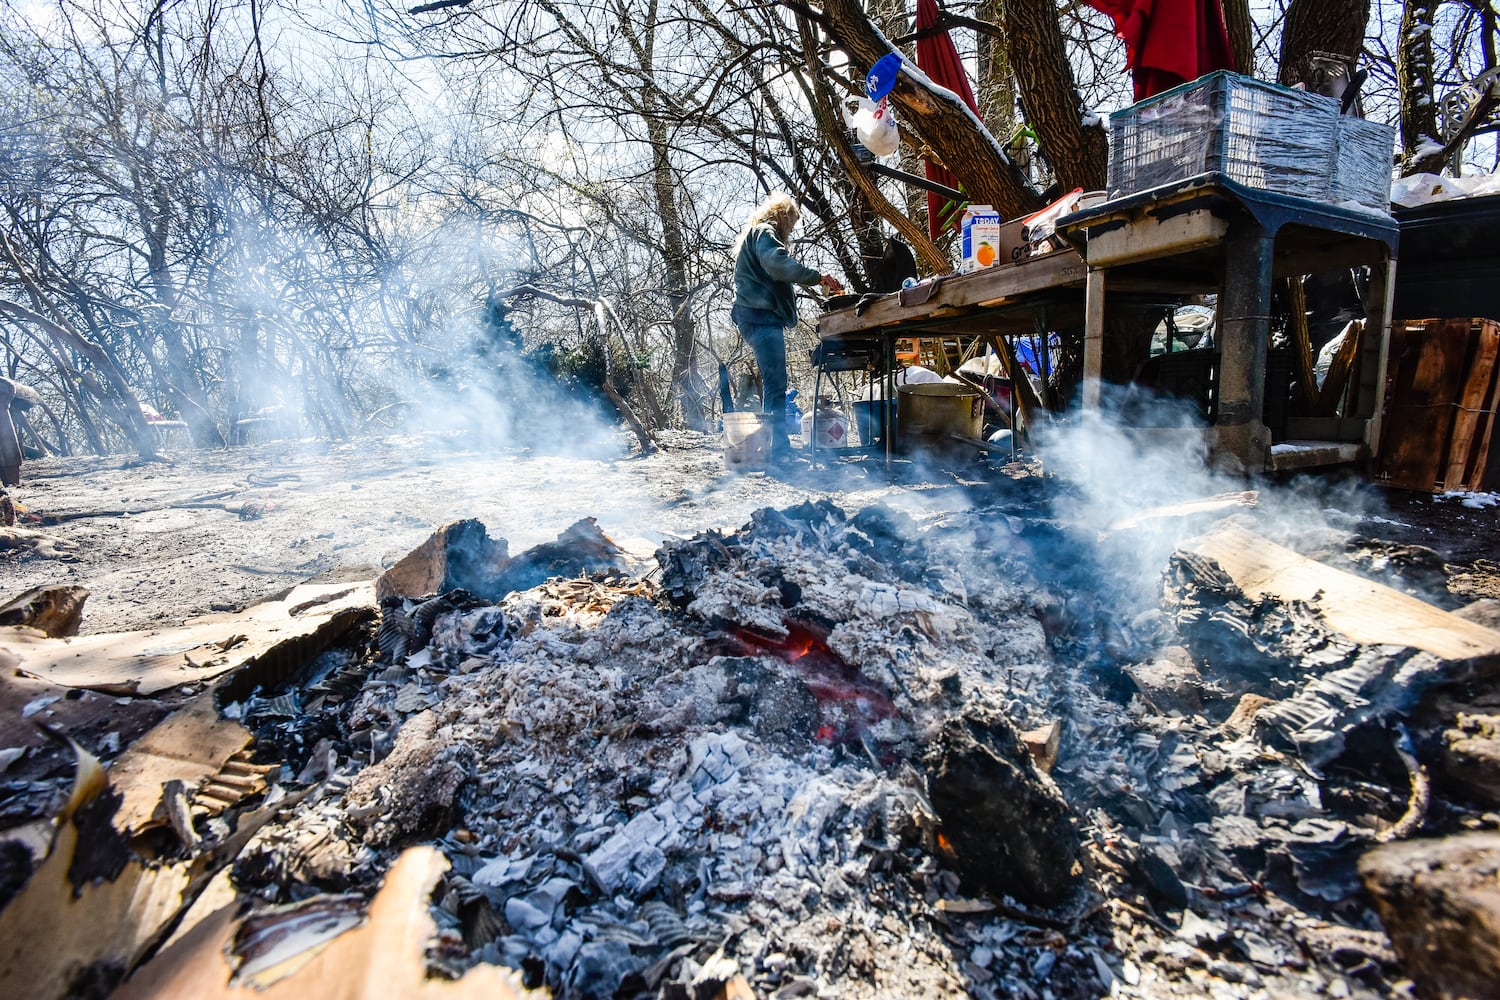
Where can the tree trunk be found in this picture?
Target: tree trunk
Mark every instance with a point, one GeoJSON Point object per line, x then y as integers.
{"type": "Point", "coordinates": [1077, 152]}
{"type": "Point", "coordinates": [674, 259]}
{"type": "Point", "coordinates": [1241, 35]}
{"type": "Point", "coordinates": [1336, 26]}
{"type": "Point", "coordinates": [1421, 148]}
{"type": "Point", "coordinates": [947, 125]}
{"type": "Point", "coordinates": [154, 210]}
{"type": "Point", "coordinates": [866, 193]}
{"type": "Point", "coordinates": [994, 88]}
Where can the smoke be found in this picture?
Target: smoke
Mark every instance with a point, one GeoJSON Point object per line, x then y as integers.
{"type": "Point", "coordinates": [1134, 494]}
{"type": "Point", "coordinates": [494, 394]}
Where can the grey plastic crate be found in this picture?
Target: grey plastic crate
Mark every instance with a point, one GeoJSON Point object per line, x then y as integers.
{"type": "Point", "coordinates": [1258, 134]}
{"type": "Point", "coordinates": [1362, 169]}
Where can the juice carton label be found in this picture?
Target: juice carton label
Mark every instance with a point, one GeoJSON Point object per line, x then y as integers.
{"type": "Point", "coordinates": [981, 238]}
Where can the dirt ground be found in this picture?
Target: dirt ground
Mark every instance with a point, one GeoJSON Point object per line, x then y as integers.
{"type": "Point", "coordinates": [219, 530]}
{"type": "Point", "coordinates": [159, 542]}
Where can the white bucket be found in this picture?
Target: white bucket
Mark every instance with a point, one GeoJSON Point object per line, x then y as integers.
{"type": "Point", "coordinates": [747, 441]}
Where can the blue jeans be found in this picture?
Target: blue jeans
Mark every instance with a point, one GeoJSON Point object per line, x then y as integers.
{"type": "Point", "coordinates": [768, 342]}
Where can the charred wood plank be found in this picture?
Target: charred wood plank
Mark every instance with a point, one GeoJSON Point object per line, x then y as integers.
{"type": "Point", "coordinates": [1366, 612]}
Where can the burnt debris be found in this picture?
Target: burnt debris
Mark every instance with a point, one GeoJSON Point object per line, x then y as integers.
{"type": "Point", "coordinates": [869, 755]}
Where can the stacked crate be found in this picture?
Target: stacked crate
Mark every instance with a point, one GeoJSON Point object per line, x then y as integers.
{"type": "Point", "coordinates": [1256, 134]}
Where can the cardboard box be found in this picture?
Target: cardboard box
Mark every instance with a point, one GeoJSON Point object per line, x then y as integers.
{"type": "Point", "coordinates": [1014, 246]}
{"type": "Point", "coordinates": [981, 238]}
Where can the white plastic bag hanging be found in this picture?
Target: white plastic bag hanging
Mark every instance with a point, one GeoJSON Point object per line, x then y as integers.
{"type": "Point", "coordinates": [875, 127]}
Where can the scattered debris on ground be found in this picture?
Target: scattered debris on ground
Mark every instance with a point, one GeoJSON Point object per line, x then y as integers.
{"type": "Point", "coordinates": [855, 752]}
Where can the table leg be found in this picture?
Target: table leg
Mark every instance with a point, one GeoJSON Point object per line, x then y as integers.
{"type": "Point", "coordinates": [1093, 339]}
{"type": "Point", "coordinates": [1244, 325]}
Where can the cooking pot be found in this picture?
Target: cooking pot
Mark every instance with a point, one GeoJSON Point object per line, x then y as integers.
{"type": "Point", "coordinates": [928, 414]}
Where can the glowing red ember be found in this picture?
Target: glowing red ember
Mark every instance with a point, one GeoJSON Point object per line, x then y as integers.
{"type": "Point", "coordinates": [849, 703]}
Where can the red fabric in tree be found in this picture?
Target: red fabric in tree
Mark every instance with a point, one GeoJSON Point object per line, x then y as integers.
{"type": "Point", "coordinates": [1169, 42]}
{"type": "Point", "coordinates": [937, 56]}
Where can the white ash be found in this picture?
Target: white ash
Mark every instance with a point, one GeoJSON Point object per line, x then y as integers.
{"type": "Point", "coordinates": [613, 779]}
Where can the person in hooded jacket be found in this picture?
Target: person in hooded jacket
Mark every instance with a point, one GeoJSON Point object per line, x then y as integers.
{"type": "Point", "coordinates": [764, 303]}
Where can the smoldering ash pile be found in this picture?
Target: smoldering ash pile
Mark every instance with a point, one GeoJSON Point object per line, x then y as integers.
{"type": "Point", "coordinates": [832, 754]}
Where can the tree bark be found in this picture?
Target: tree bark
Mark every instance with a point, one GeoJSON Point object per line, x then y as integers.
{"type": "Point", "coordinates": [1336, 26]}
{"type": "Point", "coordinates": [1077, 149]}
{"type": "Point", "coordinates": [664, 187]}
{"type": "Point", "coordinates": [674, 258]}
{"type": "Point", "coordinates": [155, 212]}
{"type": "Point", "coordinates": [831, 125]}
{"type": "Point", "coordinates": [1420, 145]}
{"type": "Point", "coordinates": [119, 400]}
{"type": "Point", "coordinates": [994, 88]}
{"type": "Point", "coordinates": [1241, 35]}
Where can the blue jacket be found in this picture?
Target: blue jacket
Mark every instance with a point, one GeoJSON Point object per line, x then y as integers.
{"type": "Point", "coordinates": [764, 274]}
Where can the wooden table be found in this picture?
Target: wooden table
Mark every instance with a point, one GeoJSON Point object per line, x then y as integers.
{"type": "Point", "coordinates": [1208, 233]}
{"type": "Point", "coordinates": [988, 304]}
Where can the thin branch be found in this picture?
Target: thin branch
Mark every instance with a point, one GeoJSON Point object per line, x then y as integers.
{"type": "Point", "coordinates": [428, 8]}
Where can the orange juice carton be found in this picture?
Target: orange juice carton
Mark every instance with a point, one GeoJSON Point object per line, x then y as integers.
{"type": "Point", "coordinates": [981, 238]}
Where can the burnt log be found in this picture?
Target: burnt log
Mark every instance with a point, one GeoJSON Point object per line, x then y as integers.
{"type": "Point", "coordinates": [1456, 725]}
{"type": "Point", "coordinates": [56, 611]}
{"type": "Point", "coordinates": [460, 555]}
{"type": "Point", "coordinates": [581, 549]}
{"type": "Point", "coordinates": [1470, 757]}
{"type": "Point", "coordinates": [1439, 901]}
{"type": "Point", "coordinates": [412, 793]}
{"type": "Point", "coordinates": [1008, 828]}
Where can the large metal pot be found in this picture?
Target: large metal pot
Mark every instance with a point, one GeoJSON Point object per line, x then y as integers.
{"type": "Point", "coordinates": [929, 414]}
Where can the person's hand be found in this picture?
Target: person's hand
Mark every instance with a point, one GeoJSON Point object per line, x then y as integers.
{"type": "Point", "coordinates": [830, 284]}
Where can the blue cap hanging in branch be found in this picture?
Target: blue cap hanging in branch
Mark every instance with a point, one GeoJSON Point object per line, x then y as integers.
{"type": "Point", "coordinates": [882, 76]}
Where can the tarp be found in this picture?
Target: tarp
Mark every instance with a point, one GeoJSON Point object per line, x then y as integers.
{"type": "Point", "coordinates": [1169, 42]}
{"type": "Point", "coordinates": [937, 56]}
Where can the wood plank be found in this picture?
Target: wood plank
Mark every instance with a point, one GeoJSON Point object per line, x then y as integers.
{"type": "Point", "coordinates": [1368, 613]}
{"type": "Point", "coordinates": [1337, 380]}
{"type": "Point", "coordinates": [1183, 509]}
{"type": "Point", "coordinates": [1027, 403]}
{"type": "Point", "coordinates": [1302, 353]}
{"type": "Point", "coordinates": [1093, 340]}
{"type": "Point", "coordinates": [1429, 368]}
{"type": "Point", "coordinates": [992, 287]}
{"type": "Point", "coordinates": [1480, 451]}
{"type": "Point", "coordinates": [311, 615]}
{"type": "Point", "coordinates": [1311, 454]}
{"type": "Point", "coordinates": [1149, 237]}
{"type": "Point", "coordinates": [1367, 391]}
{"type": "Point", "coordinates": [1474, 415]}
